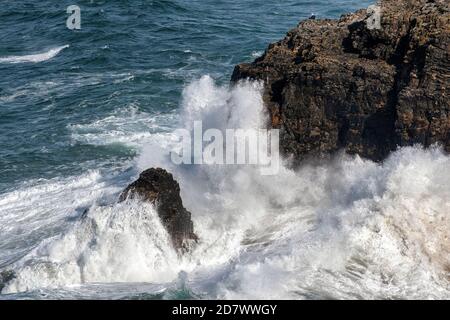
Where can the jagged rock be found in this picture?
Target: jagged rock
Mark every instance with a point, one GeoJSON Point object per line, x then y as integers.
{"type": "Point", "coordinates": [332, 84]}
{"type": "Point", "coordinates": [157, 186]}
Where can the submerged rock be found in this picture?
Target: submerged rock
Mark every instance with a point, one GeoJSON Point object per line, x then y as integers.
{"type": "Point", "coordinates": [157, 186]}
{"type": "Point", "coordinates": [332, 84]}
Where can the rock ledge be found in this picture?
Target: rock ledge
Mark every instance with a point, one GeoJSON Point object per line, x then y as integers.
{"type": "Point", "coordinates": [157, 186]}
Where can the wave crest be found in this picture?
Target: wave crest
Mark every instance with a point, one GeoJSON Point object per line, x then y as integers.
{"type": "Point", "coordinates": [34, 58]}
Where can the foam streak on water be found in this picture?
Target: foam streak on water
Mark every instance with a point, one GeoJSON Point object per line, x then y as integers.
{"type": "Point", "coordinates": [34, 58]}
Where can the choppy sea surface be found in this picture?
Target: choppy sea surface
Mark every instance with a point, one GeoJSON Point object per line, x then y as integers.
{"type": "Point", "coordinates": [82, 112]}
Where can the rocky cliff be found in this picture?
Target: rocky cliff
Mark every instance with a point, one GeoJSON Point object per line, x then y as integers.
{"type": "Point", "coordinates": [332, 84]}
{"type": "Point", "coordinates": [157, 186]}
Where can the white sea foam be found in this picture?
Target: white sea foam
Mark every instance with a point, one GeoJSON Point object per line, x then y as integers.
{"type": "Point", "coordinates": [38, 57]}
{"type": "Point", "coordinates": [99, 248]}
{"type": "Point", "coordinates": [345, 228]}
{"type": "Point", "coordinates": [39, 209]}
{"type": "Point", "coordinates": [257, 54]}
{"type": "Point", "coordinates": [128, 126]}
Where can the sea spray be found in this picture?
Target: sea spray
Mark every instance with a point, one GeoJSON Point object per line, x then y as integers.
{"type": "Point", "coordinates": [121, 243]}
{"type": "Point", "coordinates": [342, 228]}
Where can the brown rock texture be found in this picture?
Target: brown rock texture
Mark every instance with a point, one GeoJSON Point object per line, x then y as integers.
{"type": "Point", "coordinates": [332, 84]}
{"type": "Point", "coordinates": [158, 186]}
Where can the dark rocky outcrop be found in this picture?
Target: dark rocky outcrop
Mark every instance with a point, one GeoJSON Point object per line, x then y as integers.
{"type": "Point", "coordinates": [157, 186]}
{"type": "Point", "coordinates": [332, 84]}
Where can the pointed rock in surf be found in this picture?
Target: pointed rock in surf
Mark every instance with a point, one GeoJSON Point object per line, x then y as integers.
{"type": "Point", "coordinates": [158, 186]}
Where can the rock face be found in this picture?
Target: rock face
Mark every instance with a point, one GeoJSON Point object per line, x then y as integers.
{"type": "Point", "coordinates": [5, 277]}
{"type": "Point", "coordinates": [332, 84]}
{"type": "Point", "coordinates": [157, 186]}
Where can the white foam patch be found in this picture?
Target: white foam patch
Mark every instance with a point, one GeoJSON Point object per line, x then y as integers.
{"type": "Point", "coordinates": [121, 243]}
{"type": "Point", "coordinates": [40, 208]}
{"type": "Point", "coordinates": [350, 229]}
{"type": "Point", "coordinates": [127, 126]}
{"type": "Point", "coordinates": [257, 54]}
{"type": "Point", "coordinates": [34, 58]}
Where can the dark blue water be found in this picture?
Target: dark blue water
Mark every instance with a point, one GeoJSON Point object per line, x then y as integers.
{"type": "Point", "coordinates": [129, 58]}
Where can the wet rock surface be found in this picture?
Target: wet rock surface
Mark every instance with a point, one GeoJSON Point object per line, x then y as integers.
{"type": "Point", "coordinates": [332, 84]}
{"type": "Point", "coordinates": [158, 186]}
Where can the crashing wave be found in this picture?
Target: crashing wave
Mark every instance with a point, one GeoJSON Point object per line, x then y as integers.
{"type": "Point", "coordinates": [341, 228]}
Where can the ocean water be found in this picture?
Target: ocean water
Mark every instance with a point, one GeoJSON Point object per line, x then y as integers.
{"type": "Point", "coordinates": [83, 112]}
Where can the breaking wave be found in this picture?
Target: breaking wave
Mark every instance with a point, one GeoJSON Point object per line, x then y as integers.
{"type": "Point", "coordinates": [342, 228]}
{"type": "Point", "coordinates": [38, 57]}
{"type": "Point", "coordinates": [127, 126]}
